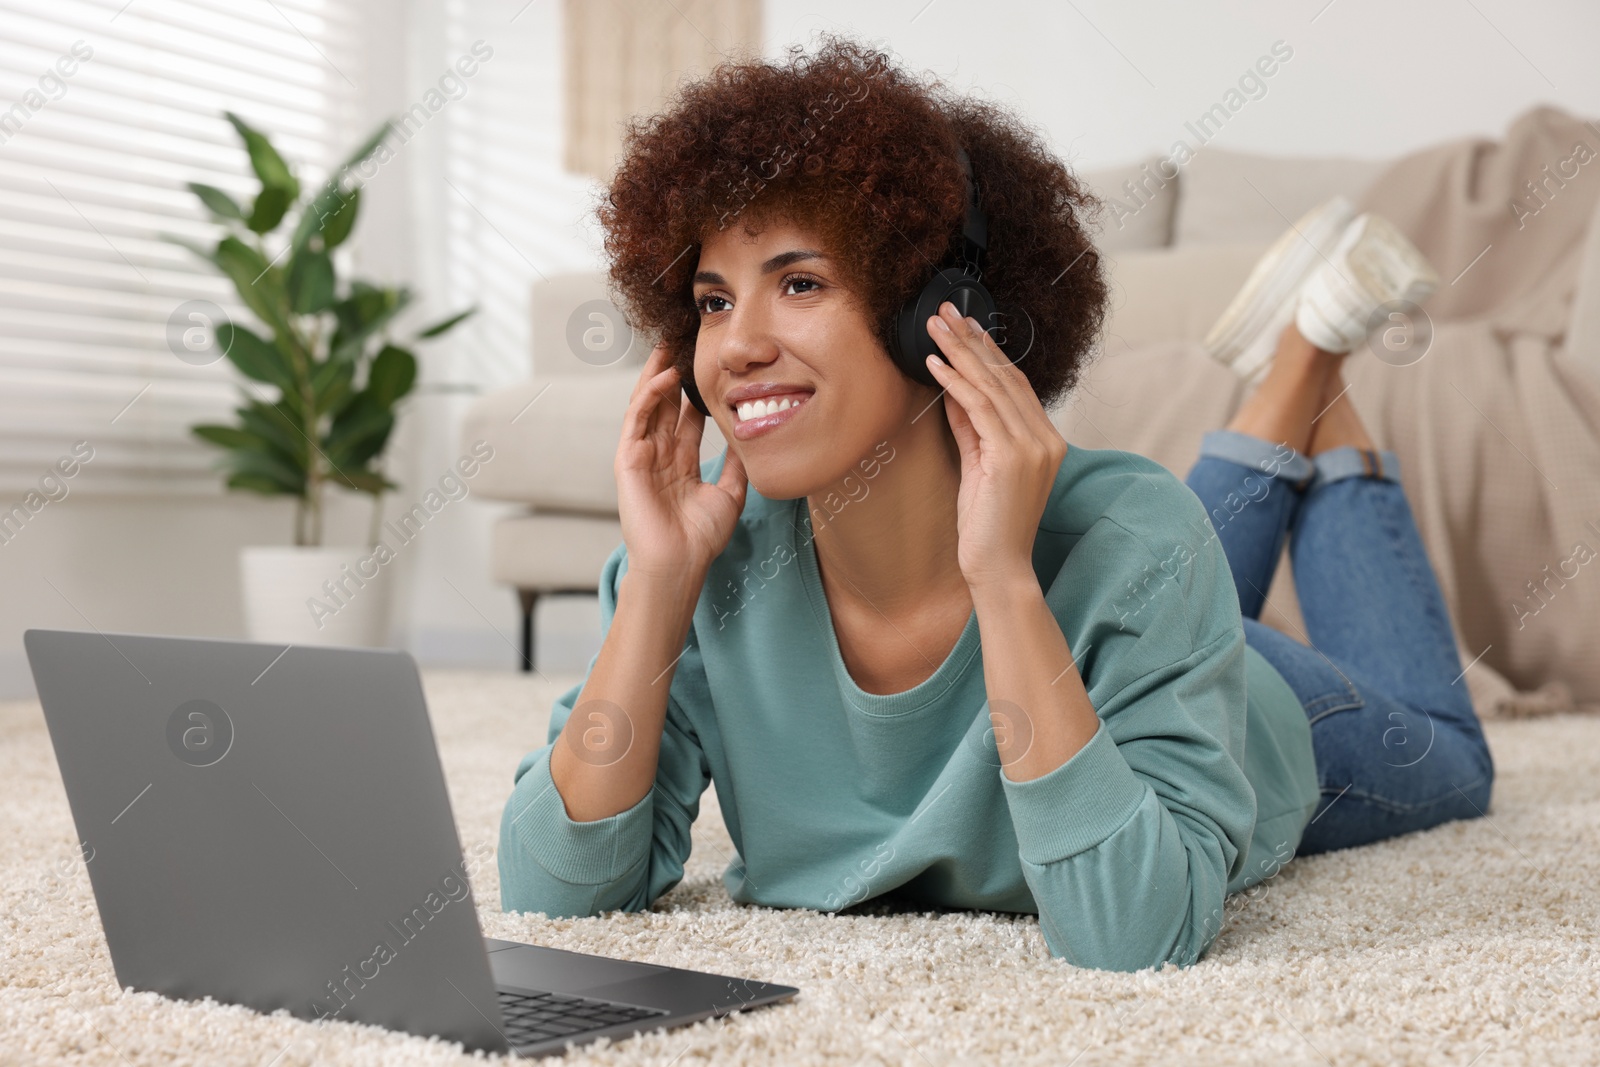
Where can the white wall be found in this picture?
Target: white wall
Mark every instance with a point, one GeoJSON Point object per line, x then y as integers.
{"type": "Point", "coordinates": [1108, 83]}
{"type": "Point", "coordinates": [1111, 81]}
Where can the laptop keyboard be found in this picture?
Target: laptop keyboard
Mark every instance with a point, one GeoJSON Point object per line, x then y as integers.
{"type": "Point", "coordinates": [539, 1016]}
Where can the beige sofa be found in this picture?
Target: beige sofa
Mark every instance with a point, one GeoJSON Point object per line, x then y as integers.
{"type": "Point", "coordinates": [1179, 249]}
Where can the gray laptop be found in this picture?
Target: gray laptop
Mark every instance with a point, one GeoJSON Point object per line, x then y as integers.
{"type": "Point", "coordinates": [269, 826]}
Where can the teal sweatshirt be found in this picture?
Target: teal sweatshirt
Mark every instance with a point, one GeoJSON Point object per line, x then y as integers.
{"type": "Point", "coordinates": [1197, 783]}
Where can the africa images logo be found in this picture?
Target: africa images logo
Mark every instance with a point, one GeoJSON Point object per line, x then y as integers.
{"type": "Point", "coordinates": [199, 733]}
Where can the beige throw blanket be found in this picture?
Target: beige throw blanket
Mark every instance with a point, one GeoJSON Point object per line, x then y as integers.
{"type": "Point", "coordinates": [1497, 427]}
{"type": "Point", "coordinates": [1500, 421]}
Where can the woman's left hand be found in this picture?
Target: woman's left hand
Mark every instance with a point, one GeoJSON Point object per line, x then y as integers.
{"type": "Point", "coordinates": [1010, 450]}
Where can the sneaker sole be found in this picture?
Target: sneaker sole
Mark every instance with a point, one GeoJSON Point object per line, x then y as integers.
{"type": "Point", "coordinates": [1245, 336]}
{"type": "Point", "coordinates": [1389, 265]}
{"type": "Point", "coordinates": [1383, 266]}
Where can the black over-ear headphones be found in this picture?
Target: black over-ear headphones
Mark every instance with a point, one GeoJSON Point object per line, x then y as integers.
{"type": "Point", "coordinates": [958, 284]}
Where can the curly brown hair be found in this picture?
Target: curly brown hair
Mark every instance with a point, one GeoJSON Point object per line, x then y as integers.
{"type": "Point", "coordinates": [864, 155]}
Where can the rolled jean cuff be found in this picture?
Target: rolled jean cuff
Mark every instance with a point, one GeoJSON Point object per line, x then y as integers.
{"type": "Point", "coordinates": [1278, 460]}
{"type": "Point", "coordinates": [1347, 461]}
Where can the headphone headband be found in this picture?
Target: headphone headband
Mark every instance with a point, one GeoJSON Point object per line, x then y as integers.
{"type": "Point", "coordinates": [974, 224]}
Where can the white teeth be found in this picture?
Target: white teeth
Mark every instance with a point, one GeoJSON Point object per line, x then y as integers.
{"type": "Point", "coordinates": [755, 409]}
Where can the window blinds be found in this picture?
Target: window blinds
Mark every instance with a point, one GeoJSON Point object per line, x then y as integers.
{"type": "Point", "coordinates": [107, 110]}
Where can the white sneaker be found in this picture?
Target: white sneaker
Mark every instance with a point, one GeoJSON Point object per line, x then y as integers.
{"type": "Point", "coordinates": [1246, 336]}
{"type": "Point", "coordinates": [1373, 264]}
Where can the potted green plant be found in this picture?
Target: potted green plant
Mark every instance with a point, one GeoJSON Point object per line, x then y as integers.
{"type": "Point", "coordinates": [332, 378]}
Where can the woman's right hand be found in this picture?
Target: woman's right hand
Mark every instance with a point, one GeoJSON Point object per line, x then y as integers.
{"type": "Point", "coordinates": [673, 523]}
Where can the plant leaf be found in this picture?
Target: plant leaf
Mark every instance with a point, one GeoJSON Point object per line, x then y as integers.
{"type": "Point", "coordinates": [271, 204]}
{"type": "Point", "coordinates": [225, 436]}
{"type": "Point", "coordinates": [364, 305]}
{"type": "Point", "coordinates": [366, 481]}
{"type": "Point", "coordinates": [289, 406]}
{"type": "Point", "coordinates": [325, 373]}
{"type": "Point", "coordinates": [324, 211]}
{"type": "Point", "coordinates": [359, 432]}
{"type": "Point", "coordinates": [393, 372]}
{"type": "Point", "coordinates": [357, 449]}
{"type": "Point", "coordinates": [259, 284]}
{"type": "Point", "coordinates": [207, 254]}
{"type": "Point", "coordinates": [254, 357]}
{"type": "Point", "coordinates": [259, 484]}
{"type": "Point", "coordinates": [360, 417]}
{"type": "Point", "coordinates": [330, 384]}
{"type": "Point", "coordinates": [278, 429]}
{"type": "Point", "coordinates": [217, 202]}
{"type": "Point", "coordinates": [365, 311]}
{"type": "Point", "coordinates": [440, 327]}
{"type": "Point", "coordinates": [252, 453]}
{"type": "Point", "coordinates": [264, 159]}
{"type": "Point", "coordinates": [311, 282]}
{"type": "Point", "coordinates": [369, 146]}
{"type": "Point", "coordinates": [266, 465]}
{"type": "Point", "coordinates": [337, 226]}
{"type": "Point", "coordinates": [331, 199]}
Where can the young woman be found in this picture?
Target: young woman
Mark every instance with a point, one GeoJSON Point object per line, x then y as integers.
{"type": "Point", "coordinates": [920, 644]}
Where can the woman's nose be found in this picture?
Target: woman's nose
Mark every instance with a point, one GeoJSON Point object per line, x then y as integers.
{"type": "Point", "coordinates": [746, 339]}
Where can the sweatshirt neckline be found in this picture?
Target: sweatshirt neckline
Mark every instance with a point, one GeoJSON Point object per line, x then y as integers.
{"type": "Point", "coordinates": [928, 691]}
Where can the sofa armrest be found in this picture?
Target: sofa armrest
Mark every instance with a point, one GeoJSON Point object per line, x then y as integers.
{"type": "Point", "coordinates": [555, 441]}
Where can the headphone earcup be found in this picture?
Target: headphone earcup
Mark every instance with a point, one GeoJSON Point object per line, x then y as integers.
{"type": "Point", "coordinates": [913, 343]}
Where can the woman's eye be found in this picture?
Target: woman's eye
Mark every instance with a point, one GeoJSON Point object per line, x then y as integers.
{"type": "Point", "coordinates": [702, 305]}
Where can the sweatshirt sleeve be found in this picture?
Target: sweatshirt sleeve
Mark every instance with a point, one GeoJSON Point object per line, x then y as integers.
{"type": "Point", "coordinates": [549, 863]}
{"type": "Point", "coordinates": [1128, 846]}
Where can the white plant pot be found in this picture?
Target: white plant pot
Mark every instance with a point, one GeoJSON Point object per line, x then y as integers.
{"type": "Point", "coordinates": [314, 596]}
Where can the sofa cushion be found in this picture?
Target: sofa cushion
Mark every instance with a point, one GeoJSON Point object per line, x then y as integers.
{"type": "Point", "coordinates": [1175, 293]}
{"type": "Point", "coordinates": [1239, 196]}
{"type": "Point", "coordinates": [1136, 217]}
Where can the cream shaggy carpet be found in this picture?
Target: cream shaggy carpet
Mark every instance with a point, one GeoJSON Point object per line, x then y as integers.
{"type": "Point", "coordinates": [1472, 943]}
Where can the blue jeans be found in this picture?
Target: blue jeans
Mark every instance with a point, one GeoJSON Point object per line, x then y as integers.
{"type": "Point", "coordinates": [1398, 746]}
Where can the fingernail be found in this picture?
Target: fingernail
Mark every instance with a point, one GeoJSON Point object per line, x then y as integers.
{"type": "Point", "coordinates": [934, 359]}
{"type": "Point", "coordinates": [940, 324]}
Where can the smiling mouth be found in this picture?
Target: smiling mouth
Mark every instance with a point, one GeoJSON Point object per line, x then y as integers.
{"type": "Point", "coordinates": [755, 409]}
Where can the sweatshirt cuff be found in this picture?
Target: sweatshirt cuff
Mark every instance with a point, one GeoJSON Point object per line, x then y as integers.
{"type": "Point", "coordinates": [1076, 806]}
{"type": "Point", "coordinates": [580, 853]}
